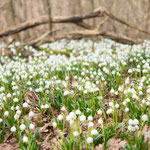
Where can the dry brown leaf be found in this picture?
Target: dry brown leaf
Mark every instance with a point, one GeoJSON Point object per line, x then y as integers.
{"type": "Point", "coordinates": [116, 144]}
{"type": "Point", "coordinates": [99, 147]}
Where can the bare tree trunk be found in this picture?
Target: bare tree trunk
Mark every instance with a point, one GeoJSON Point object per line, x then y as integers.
{"type": "Point", "coordinates": [49, 12]}
{"type": "Point", "coordinates": [11, 17]}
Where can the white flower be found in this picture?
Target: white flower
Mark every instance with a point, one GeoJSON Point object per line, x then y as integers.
{"type": "Point", "coordinates": [90, 124]}
{"type": "Point", "coordinates": [130, 70]}
{"type": "Point", "coordinates": [144, 118]}
{"type": "Point", "coordinates": [8, 95]}
{"type": "Point", "coordinates": [136, 121]}
{"type": "Point", "coordinates": [72, 115]}
{"type": "Point", "coordinates": [111, 104]}
{"type": "Point", "coordinates": [1, 120]}
{"type": "Point", "coordinates": [68, 118]}
{"type": "Point", "coordinates": [60, 117]}
{"type": "Point", "coordinates": [131, 122]}
{"type": "Point", "coordinates": [22, 127]}
{"type": "Point", "coordinates": [71, 122]}
{"type": "Point", "coordinates": [46, 106]}
{"type": "Point", "coordinates": [89, 140]}
{"type": "Point", "coordinates": [13, 129]}
{"type": "Point", "coordinates": [100, 121]}
{"type": "Point", "coordinates": [109, 111]}
{"type": "Point", "coordinates": [120, 89]}
{"type": "Point", "coordinates": [143, 101]}
{"type": "Point", "coordinates": [127, 100]}
{"type": "Point", "coordinates": [99, 112]}
{"type": "Point", "coordinates": [54, 124]}
{"type": "Point", "coordinates": [90, 118]}
{"type": "Point", "coordinates": [31, 126]}
{"type": "Point", "coordinates": [28, 101]}
{"type": "Point", "coordinates": [130, 128]}
{"type": "Point", "coordinates": [31, 114]}
{"type": "Point", "coordinates": [12, 107]}
{"type": "Point", "coordinates": [16, 100]}
{"type": "Point", "coordinates": [25, 139]}
{"type": "Point", "coordinates": [117, 106]}
{"type": "Point", "coordinates": [116, 93]}
{"type": "Point", "coordinates": [147, 103]}
{"type": "Point", "coordinates": [124, 103]}
{"type": "Point", "coordinates": [112, 91]}
{"type": "Point", "coordinates": [75, 133]}
{"type": "Point", "coordinates": [42, 106]}
{"type": "Point", "coordinates": [148, 98]}
{"type": "Point", "coordinates": [140, 92]}
{"type": "Point", "coordinates": [148, 90]}
{"type": "Point", "coordinates": [127, 81]}
{"type": "Point", "coordinates": [18, 112]}
{"type": "Point", "coordinates": [78, 112]}
{"type": "Point", "coordinates": [63, 108]}
{"type": "Point", "coordinates": [25, 105]}
{"type": "Point", "coordinates": [6, 113]}
{"type": "Point", "coordinates": [126, 109]}
{"type": "Point", "coordinates": [94, 132]}
{"type": "Point", "coordinates": [137, 127]}
{"type": "Point", "coordinates": [16, 116]}
{"type": "Point", "coordinates": [17, 107]}
{"type": "Point", "coordinates": [66, 93]}
{"type": "Point", "coordinates": [82, 118]}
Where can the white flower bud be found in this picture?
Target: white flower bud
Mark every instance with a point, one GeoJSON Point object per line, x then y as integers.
{"type": "Point", "coordinates": [144, 118]}
{"type": "Point", "coordinates": [127, 100]}
{"type": "Point", "coordinates": [117, 106]}
{"type": "Point", "coordinates": [111, 104]}
{"type": "Point", "coordinates": [25, 105]}
{"type": "Point", "coordinates": [15, 100]}
{"type": "Point", "coordinates": [99, 112]}
{"type": "Point", "coordinates": [18, 112]}
{"type": "Point", "coordinates": [63, 108]}
{"type": "Point", "coordinates": [90, 118]}
{"type": "Point", "coordinates": [94, 132]}
{"type": "Point", "coordinates": [126, 109]}
{"type": "Point", "coordinates": [90, 124]}
{"type": "Point", "coordinates": [60, 117]}
{"type": "Point", "coordinates": [89, 140]}
{"type": "Point", "coordinates": [31, 114]}
{"type": "Point", "coordinates": [78, 112]}
{"type": "Point", "coordinates": [6, 113]}
{"type": "Point", "coordinates": [54, 124]}
{"type": "Point", "coordinates": [13, 129]}
{"type": "Point", "coordinates": [25, 139]}
{"type": "Point", "coordinates": [75, 133]}
{"type": "Point", "coordinates": [31, 126]}
{"type": "Point", "coordinates": [82, 118]}
{"type": "Point", "coordinates": [100, 121]}
{"type": "Point", "coordinates": [22, 127]}
{"type": "Point", "coordinates": [46, 106]}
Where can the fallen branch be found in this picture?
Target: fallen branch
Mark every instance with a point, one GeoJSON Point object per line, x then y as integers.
{"type": "Point", "coordinates": [45, 20]}
{"type": "Point", "coordinates": [78, 20]}
{"type": "Point", "coordinates": [91, 33]}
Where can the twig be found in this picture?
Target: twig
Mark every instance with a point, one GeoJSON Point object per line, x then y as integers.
{"type": "Point", "coordinates": [124, 22]}
{"type": "Point", "coordinates": [40, 39]}
{"type": "Point", "coordinates": [102, 22]}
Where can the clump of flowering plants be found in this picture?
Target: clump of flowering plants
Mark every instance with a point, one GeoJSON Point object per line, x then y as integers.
{"type": "Point", "coordinates": [87, 99]}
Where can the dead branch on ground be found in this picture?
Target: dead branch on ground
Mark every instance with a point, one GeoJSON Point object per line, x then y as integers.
{"type": "Point", "coordinates": [89, 31]}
